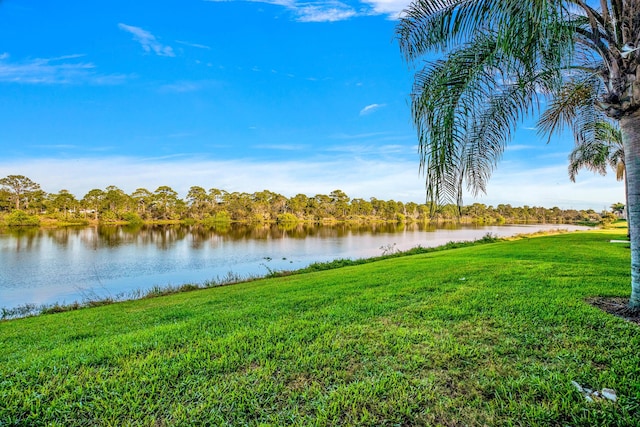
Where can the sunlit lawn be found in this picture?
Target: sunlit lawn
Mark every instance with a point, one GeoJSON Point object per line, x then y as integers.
{"type": "Point", "coordinates": [485, 335]}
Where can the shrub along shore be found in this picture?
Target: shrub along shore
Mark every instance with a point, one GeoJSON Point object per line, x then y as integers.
{"type": "Point", "coordinates": [24, 203]}
{"type": "Point", "coordinates": [490, 334]}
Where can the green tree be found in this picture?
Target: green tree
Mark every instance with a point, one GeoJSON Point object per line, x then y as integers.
{"type": "Point", "coordinates": [392, 209]}
{"type": "Point", "coordinates": [279, 205]}
{"type": "Point", "coordinates": [297, 205]}
{"type": "Point", "coordinates": [322, 207]}
{"type": "Point", "coordinates": [340, 202]}
{"type": "Point", "coordinates": [92, 201]}
{"type": "Point", "coordinates": [19, 218]}
{"type": "Point", "coordinates": [35, 201]}
{"type": "Point", "coordinates": [600, 152]}
{"type": "Point", "coordinates": [237, 205]}
{"type": "Point", "coordinates": [502, 60]}
{"type": "Point", "coordinates": [266, 205]}
{"type": "Point", "coordinates": [142, 199]}
{"type": "Point", "coordinates": [411, 210]}
{"type": "Point", "coordinates": [216, 196]}
{"type": "Point", "coordinates": [63, 202]}
{"type": "Point", "coordinates": [476, 210]}
{"type": "Point", "coordinates": [378, 207]}
{"type": "Point", "coordinates": [165, 201]}
{"type": "Point", "coordinates": [115, 200]}
{"type": "Point", "coordinates": [20, 188]}
{"type": "Point", "coordinates": [618, 208]}
{"type": "Point", "coordinates": [5, 199]}
{"type": "Point", "coordinates": [505, 210]}
{"type": "Point", "coordinates": [198, 201]}
{"type": "Point", "coordinates": [361, 207]}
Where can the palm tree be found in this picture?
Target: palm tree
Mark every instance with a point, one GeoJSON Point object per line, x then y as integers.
{"type": "Point", "coordinates": [501, 60]}
{"type": "Point", "coordinates": [604, 150]}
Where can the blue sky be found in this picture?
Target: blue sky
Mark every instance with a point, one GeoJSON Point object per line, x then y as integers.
{"type": "Point", "coordinates": [294, 97]}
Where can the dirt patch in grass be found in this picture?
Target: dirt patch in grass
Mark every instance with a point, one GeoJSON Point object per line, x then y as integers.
{"type": "Point", "coordinates": [616, 306]}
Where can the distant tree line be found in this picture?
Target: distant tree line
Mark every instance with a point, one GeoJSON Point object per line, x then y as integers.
{"type": "Point", "coordinates": [19, 196]}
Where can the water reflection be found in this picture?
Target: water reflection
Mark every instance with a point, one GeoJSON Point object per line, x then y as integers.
{"type": "Point", "coordinates": [63, 264]}
{"type": "Point", "coordinates": [164, 237]}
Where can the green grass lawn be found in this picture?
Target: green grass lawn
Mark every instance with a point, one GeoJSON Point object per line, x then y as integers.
{"type": "Point", "coordinates": [484, 335]}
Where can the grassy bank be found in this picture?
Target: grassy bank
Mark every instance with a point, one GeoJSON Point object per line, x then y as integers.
{"type": "Point", "coordinates": [481, 335]}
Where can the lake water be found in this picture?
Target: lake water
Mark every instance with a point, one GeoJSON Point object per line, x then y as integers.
{"type": "Point", "coordinates": [63, 265]}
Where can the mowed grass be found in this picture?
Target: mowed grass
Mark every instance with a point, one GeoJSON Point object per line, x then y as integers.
{"type": "Point", "coordinates": [484, 335]}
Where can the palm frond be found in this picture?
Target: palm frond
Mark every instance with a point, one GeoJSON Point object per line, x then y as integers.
{"type": "Point", "coordinates": [600, 147]}
{"type": "Point", "coordinates": [591, 156]}
{"type": "Point", "coordinates": [574, 100]}
{"type": "Point", "coordinates": [443, 25]}
{"type": "Point", "coordinates": [465, 107]}
{"type": "Point", "coordinates": [445, 94]}
{"type": "Point", "coordinates": [493, 128]}
{"type": "Point", "coordinates": [440, 24]}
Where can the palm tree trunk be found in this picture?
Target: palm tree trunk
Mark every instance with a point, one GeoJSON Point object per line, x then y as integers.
{"type": "Point", "coordinates": [626, 203]}
{"type": "Point", "coordinates": [630, 126]}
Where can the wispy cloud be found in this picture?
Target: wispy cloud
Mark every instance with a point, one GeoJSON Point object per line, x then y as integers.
{"type": "Point", "coordinates": [58, 70]}
{"type": "Point", "coordinates": [391, 8]}
{"type": "Point", "coordinates": [320, 11]}
{"type": "Point", "coordinates": [56, 146]}
{"type": "Point", "coordinates": [71, 148]}
{"type": "Point", "coordinates": [369, 149]}
{"type": "Point", "coordinates": [365, 135]}
{"type": "Point", "coordinates": [331, 12]}
{"type": "Point", "coordinates": [185, 86]}
{"type": "Point", "coordinates": [556, 155]}
{"type": "Point", "coordinates": [520, 147]}
{"type": "Point", "coordinates": [549, 186]}
{"type": "Point", "coordinates": [196, 45]}
{"type": "Point", "coordinates": [357, 177]}
{"type": "Point", "coordinates": [370, 109]}
{"type": "Point", "coordinates": [180, 135]}
{"type": "Point", "coordinates": [147, 40]}
{"type": "Point", "coordinates": [379, 137]}
{"type": "Point", "coordinates": [282, 147]}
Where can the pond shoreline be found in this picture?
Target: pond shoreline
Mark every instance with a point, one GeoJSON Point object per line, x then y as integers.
{"type": "Point", "coordinates": [28, 310]}
{"type": "Point", "coordinates": [65, 265]}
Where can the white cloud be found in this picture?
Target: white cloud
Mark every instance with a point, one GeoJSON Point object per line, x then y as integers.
{"type": "Point", "coordinates": [282, 147]}
{"type": "Point", "coordinates": [59, 70]}
{"type": "Point", "coordinates": [369, 149]}
{"type": "Point", "coordinates": [358, 178]}
{"type": "Point", "coordinates": [358, 135]}
{"type": "Point", "coordinates": [550, 186]}
{"type": "Point", "coordinates": [521, 147]}
{"type": "Point", "coordinates": [319, 11]}
{"type": "Point", "coordinates": [285, 3]}
{"type": "Point", "coordinates": [180, 87]}
{"type": "Point", "coordinates": [196, 45]}
{"type": "Point", "coordinates": [392, 8]}
{"type": "Point", "coordinates": [180, 135]}
{"type": "Point", "coordinates": [324, 13]}
{"type": "Point", "coordinates": [147, 40]}
{"type": "Point", "coordinates": [185, 86]}
{"type": "Point", "coordinates": [370, 109]}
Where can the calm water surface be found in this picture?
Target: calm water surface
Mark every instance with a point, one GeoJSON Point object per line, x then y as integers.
{"type": "Point", "coordinates": [72, 264]}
